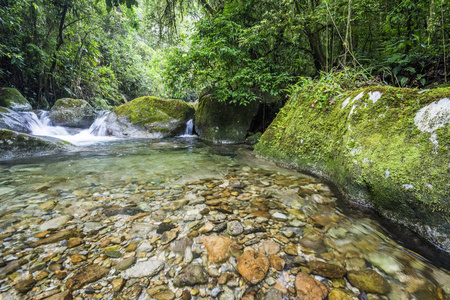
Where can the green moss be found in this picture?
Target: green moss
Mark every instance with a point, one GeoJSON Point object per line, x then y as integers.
{"type": "Point", "coordinates": [147, 110]}
{"type": "Point", "coordinates": [13, 99]}
{"type": "Point", "coordinates": [374, 151]}
{"type": "Point", "coordinates": [70, 103]}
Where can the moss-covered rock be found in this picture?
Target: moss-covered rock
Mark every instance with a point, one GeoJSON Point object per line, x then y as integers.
{"type": "Point", "coordinates": [387, 148]}
{"type": "Point", "coordinates": [221, 122]}
{"type": "Point", "coordinates": [72, 113]}
{"type": "Point", "coordinates": [13, 99]}
{"type": "Point", "coordinates": [151, 117]}
{"type": "Point", "coordinates": [14, 145]}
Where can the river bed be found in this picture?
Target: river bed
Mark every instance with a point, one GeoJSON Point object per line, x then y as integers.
{"type": "Point", "coordinates": [177, 218]}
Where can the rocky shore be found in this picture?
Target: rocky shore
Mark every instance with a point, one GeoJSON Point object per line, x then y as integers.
{"type": "Point", "coordinates": [252, 234]}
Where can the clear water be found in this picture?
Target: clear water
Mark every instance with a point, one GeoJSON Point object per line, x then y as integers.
{"type": "Point", "coordinates": [125, 168]}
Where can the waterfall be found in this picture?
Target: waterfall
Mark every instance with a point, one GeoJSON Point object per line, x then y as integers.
{"type": "Point", "coordinates": [29, 122]}
{"type": "Point", "coordinates": [189, 131]}
{"type": "Point", "coordinates": [42, 125]}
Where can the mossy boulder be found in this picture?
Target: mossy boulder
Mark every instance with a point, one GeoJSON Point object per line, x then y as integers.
{"type": "Point", "coordinates": [13, 99]}
{"type": "Point", "coordinates": [221, 122]}
{"type": "Point", "coordinates": [386, 148]}
{"type": "Point", "coordinates": [72, 113]}
{"type": "Point", "coordinates": [150, 117]}
{"type": "Point", "coordinates": [15, 145]}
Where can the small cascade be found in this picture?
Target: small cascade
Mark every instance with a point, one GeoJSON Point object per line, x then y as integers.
{"type": "Point", "coordinates": [99, 127]}
{"type": "Point", "coordinates": [30, 122]}
{"type": "Point", "coordinates": [42, 125]}
{"type": "Point", "coordinates": [189, 131]}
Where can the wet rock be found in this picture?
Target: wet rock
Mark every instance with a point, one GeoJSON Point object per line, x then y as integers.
{"type": "Point", "coordinates": [25, 285]}
{"type": "Point", "coordinates": [277, 263]}
{"type": "Point", "coordinates": [114, 211]}
{"type": "Point", "coordinates": [253, 266]}
{"type": "Point", "coordinates": [217, 248]}
{"type": "Point", "coordinates": [227, 294]}
{"type": "Point", "coordinates": [191, 275]}
{"type": "Point", "coordinates": [316, 245]}
{"type": "Point", "coordinates": [175, 205]}
{"type": "Point", "coordinates": [291, 249]}
{"type": "Point", "coordinates": [55, 223]}
{"type": "Point", "coordinates": [113, 254]}
{"type": "Point", "coordinates": [72, 113]}
{"type": "Point", "coordinates": [161, 293]}
{"type": "Point", "coordinates": [86, 275]}
{"type": "Point", "coordinates": [132, 292]}
{"type": "Point", "coordinates": [66, 295]}
{"type": "Point", "coordinates": [326, 269]}
{"type": "Point", "coordinates": [131, 247]}
{"type": "Point", "coordinates": [309, 288]}
{"type": "Point", "coordinates": [355, 264]}
{"type": "Point", "coordinates": [270, 247]}
{"type": "Point", "coordinates": [388, 264]}
{"type": "Point", "coordinates": [73, 242]}
{"type": "Point", "coordinates": [169, 236]}
{"type": "Point", "coordinates": [147, 268]}
{"type": "Point", "coordinates": [117, 284]}
{"type": "Point", "coordinates": [12, 267]}
{"type": "Point", "coordinates": [280, 217]}
{"type": "Point", "coordinates": [369, 281]}
{"type": "Point", "coordinates": [234, 228]}
{"type": "Point", "coordinates": [48, 205]}
{"type": "Point", "coordinates": [179, 246]}
{"type": "Point", "coordinates": [59, 236]}
{"type": "Point", "coordinates": [273, 294]}
{"type": "Point", "coordinates": [125, 264]}
{"type": "Point", "coordinates": [163, 227]}
{"type": "Point", "coordinates": [337, 294]}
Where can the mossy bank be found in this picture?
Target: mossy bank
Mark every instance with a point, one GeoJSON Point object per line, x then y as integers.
{"type": "Point", "coordinates": [386, 148]}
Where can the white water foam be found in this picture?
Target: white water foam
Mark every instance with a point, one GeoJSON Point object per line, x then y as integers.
{"type": "Point", "coordinates": [96, 133]}
{"type": "Point", "coordinates": [189, 131]}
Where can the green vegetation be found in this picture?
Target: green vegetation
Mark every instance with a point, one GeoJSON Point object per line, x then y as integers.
{"type": "Point", "coordinates": [109, 51]}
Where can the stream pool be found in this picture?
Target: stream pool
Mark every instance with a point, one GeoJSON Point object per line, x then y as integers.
{"type": "Point", "coordinates": [127, 219]}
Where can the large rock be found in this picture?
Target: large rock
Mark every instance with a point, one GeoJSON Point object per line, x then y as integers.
{"type": "Point", "coordinates": [369, 281]}
{"type": "Point", "coordinates": [72, 113]}
{"type": "Point", "coordinates": [253, 266]}
{"type": "Point", "coordinates": [326, 270]}
{"type": "Point", "coordinates": [12, 120]}
{"type": "Point", "coordinates": [190, 276]}
{"type": "Point", "coordinates": [13, 99]}
{"type": "Point", "coordinates": [218, 248]}
{"type": "Point", "coordinates": [221, 122]}
{"type": "Point", "coordinates": [309, 288]}
{"type": "Point", "coordinates": [146, 268]}
{"type": "Point", "coordinates": [386, 148]}
{"type": "Point", "coordinates": [150, 117]}
{"type": "Point", "coordinates": [86, 275]}
{"type": "Point", "coordinates": [13, 145]}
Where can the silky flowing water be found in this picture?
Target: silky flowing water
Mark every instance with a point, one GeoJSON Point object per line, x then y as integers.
{"type": "Point", "coordinates": [116, 199]}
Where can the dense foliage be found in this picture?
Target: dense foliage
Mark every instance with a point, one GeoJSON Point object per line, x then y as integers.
{"type": "Point", "coordinates": [113, 50]}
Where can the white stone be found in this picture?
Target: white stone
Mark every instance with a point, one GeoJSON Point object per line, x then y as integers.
{"type": "Point", "coordinates": [279, 216]}
{"type": "Point", "coordinates": [55, 223]}
{"type": "Point", "coordinates": [433, 116]}
{"type": "Point", "coordinates": [147, 268]}
{"type": "Point", "coordinates": [374, 96]}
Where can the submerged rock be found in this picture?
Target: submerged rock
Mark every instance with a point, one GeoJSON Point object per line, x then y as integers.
{"type": "Point", "coordinates": [369, 281]}
{"type": "Point", "coordinates": [72, 113]}
{"type": "Point", "coordinates": [13, 99]}
{"type": "Point", "coordinates": [191, 275]}
{"type": "Point", "coordinates": [309, 288]}
{"type": "Point", "coordinates": [253, 266]}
